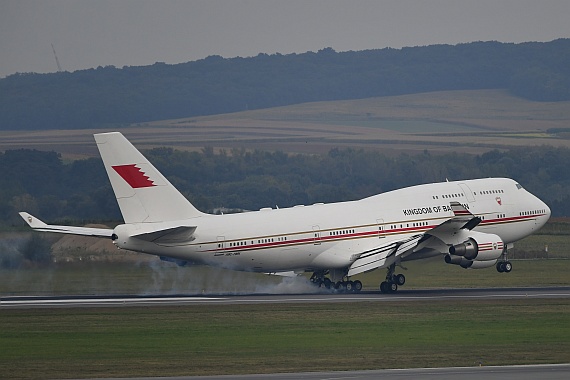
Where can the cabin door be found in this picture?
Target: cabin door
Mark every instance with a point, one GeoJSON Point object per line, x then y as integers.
{"type": "Point", "coordinates": [380, 227]}
{"type": "Point", "coordinates": [316, 235]}
{"type": "Point", "coordinates": [220, 245]}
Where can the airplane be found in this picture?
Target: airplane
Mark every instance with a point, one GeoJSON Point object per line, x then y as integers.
{"type": "Point", "coordinates": [471, 223]}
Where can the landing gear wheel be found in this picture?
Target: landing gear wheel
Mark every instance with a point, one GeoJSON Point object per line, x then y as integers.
{"type": "Point", "coordinates": [349, 286]}
{"type": "Point", "coordinates": [399, 279]}
{"type": "Point", "coordinates": [357, 286]}
{"type": "Point", "coordinates": [504, 267]}
{"type": "Point", "coordinates": [388, 287]}
{"type": "Point", "coordinates": [500, 266]}
{"type": "Point", "coordinates": [327, 283]}
{"type": "Point", "coordinates": [340, 286]}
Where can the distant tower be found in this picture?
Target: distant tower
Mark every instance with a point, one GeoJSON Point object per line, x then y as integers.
{"type": "Point", "coordinates": [56, 60]}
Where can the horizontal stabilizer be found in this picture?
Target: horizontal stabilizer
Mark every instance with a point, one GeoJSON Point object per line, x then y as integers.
{"type": "Point", "coordinates": [38, 225]}
{"type": "Point", "coordinates": [169, 236]}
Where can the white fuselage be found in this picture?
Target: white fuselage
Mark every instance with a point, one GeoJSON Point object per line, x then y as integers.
{"type": "Point", "coordinates": [328, 236]}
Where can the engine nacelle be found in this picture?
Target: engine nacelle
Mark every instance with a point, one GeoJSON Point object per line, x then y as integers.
{"type": "Point", "coordinates": [478, 264]}
{"type": "Point", "coordinates": [479, 246]}
{"type": "Point", "coordinates": [469, 264]}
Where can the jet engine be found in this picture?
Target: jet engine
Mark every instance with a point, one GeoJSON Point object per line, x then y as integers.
{"type": "Point", "coordinates": [471, 264]}
{"type": "Point", "coordinates": [480, 250]}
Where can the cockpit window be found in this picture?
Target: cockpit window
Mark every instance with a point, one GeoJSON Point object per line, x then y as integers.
{"type": "Point", "coordinates": [519, 186]}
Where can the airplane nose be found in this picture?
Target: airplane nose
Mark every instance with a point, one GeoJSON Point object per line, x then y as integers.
{"type": "Point", "coordinates": [547, 212]}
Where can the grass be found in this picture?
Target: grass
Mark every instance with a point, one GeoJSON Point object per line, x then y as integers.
{"type": "Point", "coordinates": [222, 339]}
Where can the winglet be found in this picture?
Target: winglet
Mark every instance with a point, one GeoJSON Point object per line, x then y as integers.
{"type": "Point", "coordinates": [32, 221]}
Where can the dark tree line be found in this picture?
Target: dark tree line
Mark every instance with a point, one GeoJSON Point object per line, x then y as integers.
{"type": "Point", "coordinates": [40, 183]}
{"type": "Point", "coordinates": [111, 96]}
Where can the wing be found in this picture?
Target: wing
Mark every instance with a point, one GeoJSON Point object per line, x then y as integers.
{"type": "Point", "coordinates": [385, 255]}
{"type": "Point", "coordinates": [38, 225]}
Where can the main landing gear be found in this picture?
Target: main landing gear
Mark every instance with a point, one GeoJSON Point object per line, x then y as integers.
{"type": "Point", "coordinates": [319, 279]}
{"type": "Point", "coordinates": [392, 280]}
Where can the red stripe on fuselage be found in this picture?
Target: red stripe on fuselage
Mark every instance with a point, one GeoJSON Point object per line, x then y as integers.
{"type": "Point", "coordinates": [363, 234]}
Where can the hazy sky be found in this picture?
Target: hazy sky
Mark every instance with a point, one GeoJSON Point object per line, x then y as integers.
{"type": "Point", "coordinates": [140, 32]}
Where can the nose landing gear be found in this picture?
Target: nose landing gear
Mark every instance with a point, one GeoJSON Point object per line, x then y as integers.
{"type": "Point", "coordinates": [504, 265]}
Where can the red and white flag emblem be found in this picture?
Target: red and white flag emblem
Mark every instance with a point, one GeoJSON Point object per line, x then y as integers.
{"type": "Point", "coordinates": [134, 176]}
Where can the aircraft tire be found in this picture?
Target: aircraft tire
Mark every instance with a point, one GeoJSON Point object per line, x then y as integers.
{"type": "Point", "coordinates": [392, 287]}
{"type": "Point", "coordinates": [357, 286]}
{"type": "Point", "coordinates": [500, 267]}
{"type": "Point", "coordinates": [399, 279]}
{"type": "Point", "coordinates": [327, 283]}
{"type": "Point", "coordinates": [507, 266]}
{"type": "Point", "coordinates": [349, 286]}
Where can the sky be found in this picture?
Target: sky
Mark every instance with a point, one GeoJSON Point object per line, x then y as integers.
{"type": "Point", "coordinates": [92, 33]}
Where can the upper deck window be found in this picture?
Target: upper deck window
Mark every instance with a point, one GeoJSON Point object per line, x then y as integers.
{"type": "Point", "coordinates": [519, 186]}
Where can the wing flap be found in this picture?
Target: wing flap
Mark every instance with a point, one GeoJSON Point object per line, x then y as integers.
{"type": "Point", "coordinates": [38, 225]}
{"type": "Point", "coordinates": [382, 256]}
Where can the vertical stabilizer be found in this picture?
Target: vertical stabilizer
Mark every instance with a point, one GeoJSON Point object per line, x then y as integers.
{"type": "Point", "coordinates": [144, 195]}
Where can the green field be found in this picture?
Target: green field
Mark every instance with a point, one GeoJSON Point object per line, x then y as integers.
{"type": "Point", "coordinates": [201, 340]}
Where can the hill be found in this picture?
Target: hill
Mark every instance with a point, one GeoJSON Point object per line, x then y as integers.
{"type": "Point", "coordinates": [109, 97]}
{"type": "Point", "coordinates": [467, 121]}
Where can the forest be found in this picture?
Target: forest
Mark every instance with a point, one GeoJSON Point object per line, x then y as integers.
{"type": "Point", "coordinates": [79, 191]}
{"type": "Point", "coordinates": [108, 97]}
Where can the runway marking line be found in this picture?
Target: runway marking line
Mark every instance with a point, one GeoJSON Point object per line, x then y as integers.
{"type": "Point", "coordinates": [105, 301]}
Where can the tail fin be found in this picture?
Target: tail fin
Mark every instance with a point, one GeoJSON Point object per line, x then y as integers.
{"type": "Point", "coordinates": [143, 194]}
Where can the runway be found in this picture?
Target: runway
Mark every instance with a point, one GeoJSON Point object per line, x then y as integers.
{"type": "Point", "coordinates": [435, 295]}
{"type": "Point", "coordinates": [527, 372]}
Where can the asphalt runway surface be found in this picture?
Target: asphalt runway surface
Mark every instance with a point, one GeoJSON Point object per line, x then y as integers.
{"type": "Point", "coordinates": [232, 299]}
{"type": "Point", "coordinates": [528, 372]}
